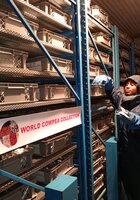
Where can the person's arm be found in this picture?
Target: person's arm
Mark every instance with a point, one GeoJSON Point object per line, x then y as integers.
{"type": "Point", "coordinates": [129, 118]}
{"type": "Point", "coordinates": [112, 92]}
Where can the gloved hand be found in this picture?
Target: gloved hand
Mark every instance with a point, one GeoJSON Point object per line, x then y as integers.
{"type": "Point", "coordinates": [126, 116]}
{"type": "Point", "coordinates": [105, 80]}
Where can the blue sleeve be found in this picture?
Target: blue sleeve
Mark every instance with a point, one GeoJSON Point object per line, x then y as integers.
{"type": "Point", "coordinates": [131, 119]}
{"type": "Point", "coordinates": [135, 121]}
{"type": "Point", "coordinates": [113, 93]}
{"type": "Point", "coordinates": [115, 97]}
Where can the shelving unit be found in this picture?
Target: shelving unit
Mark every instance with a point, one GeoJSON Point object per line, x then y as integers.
{"type": "Point", "coordinates": [75, 39]}
{"type": "Point", "coordinates": [29, 43]}
{"type": "Point", "coordinates": [96, 137]}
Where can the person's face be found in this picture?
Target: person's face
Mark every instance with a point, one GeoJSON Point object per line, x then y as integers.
{"type": "Point", "coordinates": [130, 88]}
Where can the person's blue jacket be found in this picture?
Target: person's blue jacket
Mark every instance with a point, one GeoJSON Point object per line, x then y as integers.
{"type": "Point", "coordinates": [128, 112]}
{"type": "Point", "coordinates": [129, 115]}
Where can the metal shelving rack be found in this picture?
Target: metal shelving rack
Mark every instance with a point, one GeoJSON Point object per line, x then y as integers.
{"type": "Point", "coordinates": [79, 96]}
{"type": "Point", "coordinates": [87, 102]}
{"type": "Point", "coordinates": [84, 137]}
{"type": "Point", "coordinates": [110, 145]}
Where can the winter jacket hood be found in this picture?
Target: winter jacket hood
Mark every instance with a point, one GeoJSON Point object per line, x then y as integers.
{"type": "Point", "coordinates": [129, 102]}
{"type": "Point", "coordinates": [135, 78]}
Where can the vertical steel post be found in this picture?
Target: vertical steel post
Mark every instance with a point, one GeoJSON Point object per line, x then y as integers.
{"type": "Point", "coordinates": [115, 47]}
{"type": "Point", "coordinates": [116, 71]}
{"type": "Point", "coordinates": [111, 144]}
{"type": "Point", "coordinates": [112, 169]}
{"type": "Point", "coordinates": [132, 59]}
{"type": "Point", "coordinates": [87, 102]}
{"type": "Point", "coordinates": [79, 86]}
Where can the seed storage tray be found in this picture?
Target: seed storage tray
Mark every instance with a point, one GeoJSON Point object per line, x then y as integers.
{"type": "Point", "coordinates": [19, 192]}
{"type": "Point", "coordinates": [60, 166]}
{"type": "Point", "coordinates": [99, 13]}
{"type": "Point", "coordinates": [9, 21]}
{"type": "Point", "coordinates": [41, 17]}
{"type": "Point", "coordinates": [38, 164]}
{"type": "Point", "coordinates": [53, 92]}
{"type": "Point", "coordinates": [16, 164]}
{"type": "Point", "coordinates": [12, 58]}
{"type": "Point", "coordinates": [42, 64]}
{"type": "Point", "coordinates": [18, 92]}
{"type": "Point", "coordinates": [53, 144]}
{"type": "Point", "coordinates": [10, 38]}
{"type": "Point", "coordinates": [56, 13]}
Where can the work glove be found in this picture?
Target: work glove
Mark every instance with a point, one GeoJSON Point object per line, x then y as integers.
{"type": "Point", "coordinates": [104, 80]}
{"type": "Point", "coordinates": [129, 118]}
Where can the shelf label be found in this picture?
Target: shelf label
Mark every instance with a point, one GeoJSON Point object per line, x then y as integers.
{"type": "Point", "coordinates": [18, 131]}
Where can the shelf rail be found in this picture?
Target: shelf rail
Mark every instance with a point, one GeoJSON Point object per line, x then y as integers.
{"type": "Point", "coordinates": [21, 180]}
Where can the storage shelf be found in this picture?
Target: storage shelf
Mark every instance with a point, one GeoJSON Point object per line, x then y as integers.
{"type": "Point", "coordinates": [72, 171]}
{"type": "Point", "coordinates": [4, 107]}
{"type": "Point", "coordinates": [10, 38]}
{"type": "Point", "coordinates": [101, 46]}
{"type": "Point", "coordinates": [80, 55]}
{"type": "Point", "coordinates": [98, 63]}
{"type": "Point", "coordinates": [63, 3]}
{"type": "Point", "coordinates": [98, 97]}
{"type": "Point", "coordinates": [40, 16]}
{"type": "Point", "coordinates": [39, 164]}
{"type": "Point", "coordinates": [104, 130]}
{"type": "Point", "coordinates": [95, 26]}
{"type": "Point", "coordinates": [102, 111]}
{"type": "Point", "coordinates": [41, 195]}
{"type": "Point", "coordinates": [8, 73]}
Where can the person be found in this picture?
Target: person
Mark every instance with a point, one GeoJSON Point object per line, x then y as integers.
{"type": "Point", "coordinates": [128, 113]}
